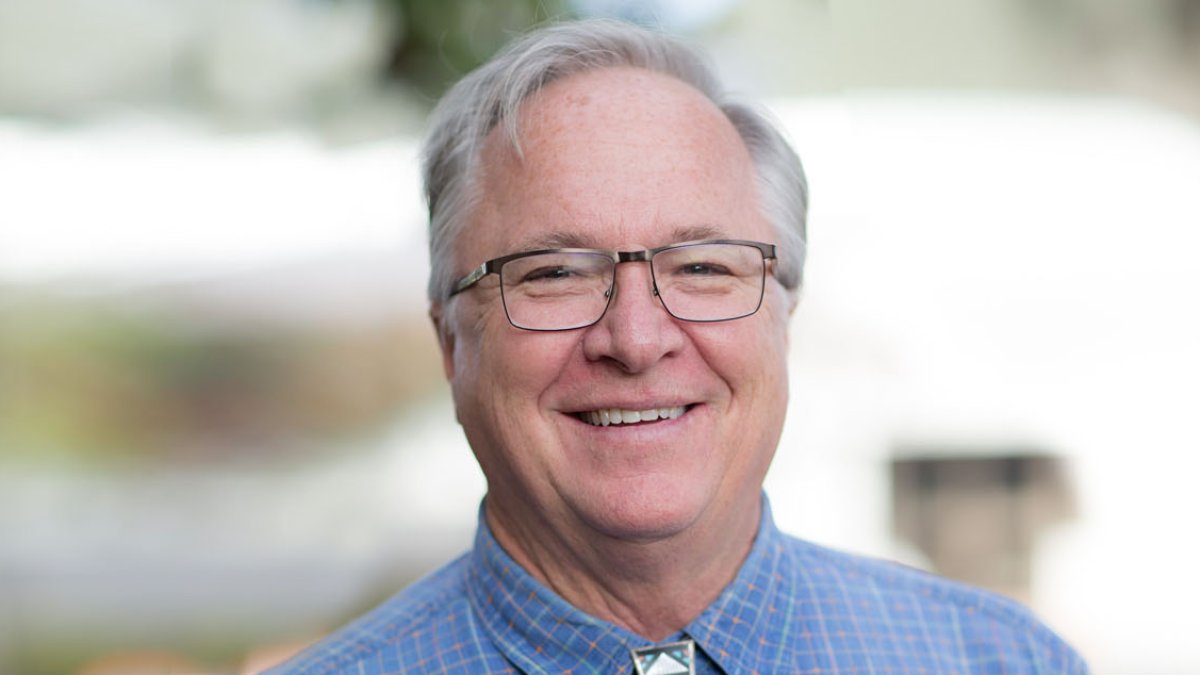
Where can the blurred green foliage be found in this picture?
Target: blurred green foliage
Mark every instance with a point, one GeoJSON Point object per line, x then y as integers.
{"type": "Point", "coordinates": [438, 41]}
{"type": "Point", "coordinates": [121, 381]}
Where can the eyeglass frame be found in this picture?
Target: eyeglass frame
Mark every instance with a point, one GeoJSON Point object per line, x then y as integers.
{"type": "Point", "coordinates": [493, 266]}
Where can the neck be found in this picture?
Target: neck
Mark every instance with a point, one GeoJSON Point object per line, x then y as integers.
{"type": "Point", "coordinates": [653, 587]}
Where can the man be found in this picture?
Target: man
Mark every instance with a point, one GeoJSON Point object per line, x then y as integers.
{"type": "Point", "coordinates": [616, 251]}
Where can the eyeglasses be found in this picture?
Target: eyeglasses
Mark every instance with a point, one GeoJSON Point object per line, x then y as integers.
{"type": "Point", "coordinates": [569, 288]}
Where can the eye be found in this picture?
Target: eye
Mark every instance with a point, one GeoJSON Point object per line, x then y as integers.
{"type": "Point", "coordinates": [549, 273]}
{"type": "Point", "coordinates": [702, 269]}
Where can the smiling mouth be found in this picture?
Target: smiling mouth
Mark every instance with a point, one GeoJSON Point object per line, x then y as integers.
{"type": "Point", "coordinates": [620, 416]}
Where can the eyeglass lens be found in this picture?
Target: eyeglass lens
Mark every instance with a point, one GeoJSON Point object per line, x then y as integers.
{"type": "Point", "coordinates": [700, 282]}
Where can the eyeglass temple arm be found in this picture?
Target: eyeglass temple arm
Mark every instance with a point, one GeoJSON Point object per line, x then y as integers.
{"type": "Point", "coordinates": [472, 278]}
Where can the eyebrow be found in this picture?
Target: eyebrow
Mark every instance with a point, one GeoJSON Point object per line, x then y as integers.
{"type": "Point", "coordinates": [697, 233]}
{"type": "Point", "coordinates": [568, 239]}
{"type": "Point", "coordinates": [559, 239]}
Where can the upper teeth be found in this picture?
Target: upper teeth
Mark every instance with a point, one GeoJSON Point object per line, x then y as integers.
{"type": "Point", "coordinates": [607, 416]}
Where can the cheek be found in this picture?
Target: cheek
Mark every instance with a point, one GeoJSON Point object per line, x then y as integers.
{"type": "Point", "coordinates": [762, 398]}
{"type": "Point", "coordinates": [749, 353]}
{"type": "Point", "coordinates": [751, 359]}
{"type": "Point", "coordinates": [498, 392]}
{"type": "Point", "coordinates": [773, 366]}
{"type": "Point", "coordinates": [506, 370]}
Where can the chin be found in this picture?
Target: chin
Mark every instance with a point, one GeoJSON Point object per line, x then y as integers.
{"type": "Point", "coordinates": [646, 508]}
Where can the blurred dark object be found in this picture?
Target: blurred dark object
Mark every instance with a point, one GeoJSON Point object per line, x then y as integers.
{"type": "Point", "coordinates": [977, 517]}
{"type": "Point", "coordinates": [439, 42]}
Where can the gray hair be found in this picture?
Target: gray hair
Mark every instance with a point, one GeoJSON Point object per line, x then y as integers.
{"type": "Point", "coordinates": [492, 95]}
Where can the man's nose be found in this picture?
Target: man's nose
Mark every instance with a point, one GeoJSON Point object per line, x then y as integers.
{"type": "Point", "coordinates": [636, 331]}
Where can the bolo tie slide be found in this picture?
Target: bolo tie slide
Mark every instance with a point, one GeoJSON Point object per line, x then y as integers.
{"type": "Point", "coordinates": [672, 658]}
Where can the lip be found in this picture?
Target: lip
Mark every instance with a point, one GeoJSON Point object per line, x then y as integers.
{"type": "Point", "coordinates": [581, 416]}
{"type": "Point", "coordinates": [644, 404]}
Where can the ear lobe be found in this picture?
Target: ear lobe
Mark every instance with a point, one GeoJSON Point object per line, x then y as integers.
{"type": "Point", "coordinates": [445, 338]}
{"type": "Point", "coordinates": [792, 300]}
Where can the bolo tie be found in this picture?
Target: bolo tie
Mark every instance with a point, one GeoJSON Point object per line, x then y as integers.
{"type": "Point", "coordinates": [672, 658]}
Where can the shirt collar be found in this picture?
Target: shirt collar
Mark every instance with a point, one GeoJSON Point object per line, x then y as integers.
{"type": "Point", "coordinates": [535, 628]}
{"type": "Point", "coordinates": [539, 631]}
{"type": "Point", "coordinates": [733, 630]}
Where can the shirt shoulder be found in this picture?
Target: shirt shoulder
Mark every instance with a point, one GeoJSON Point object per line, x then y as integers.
{"type": "Point", "coordinates": [427, 627]}
{"type": "Point", "coordinates": [913, 611]}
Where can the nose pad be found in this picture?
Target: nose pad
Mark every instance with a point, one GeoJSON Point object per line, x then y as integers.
{"type": "Point", "coordinates": [612, 289]}
{"type": "Point", "coordinates": [635, 332]}
{"type": "Point", "coordinates": [615, 289]}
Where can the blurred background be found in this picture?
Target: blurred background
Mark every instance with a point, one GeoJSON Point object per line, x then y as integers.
{"type": "Point", "coordinates": [224, 429]}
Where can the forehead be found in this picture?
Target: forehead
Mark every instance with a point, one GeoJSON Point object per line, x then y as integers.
{"type": "Point", "coordinates": [614, 158]}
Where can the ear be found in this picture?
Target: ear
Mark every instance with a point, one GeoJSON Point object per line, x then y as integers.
{"type": "Point", "coordinates": [445, 337]}
{"type": "Point", "coordinates": [793, 300]}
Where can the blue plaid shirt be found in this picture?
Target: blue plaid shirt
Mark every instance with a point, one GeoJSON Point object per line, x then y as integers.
{"type": "Point", "coordinates": [794, 607]}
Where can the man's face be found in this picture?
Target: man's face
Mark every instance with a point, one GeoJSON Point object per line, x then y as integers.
{"type": "Point", "coordinates": [617, 159]}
